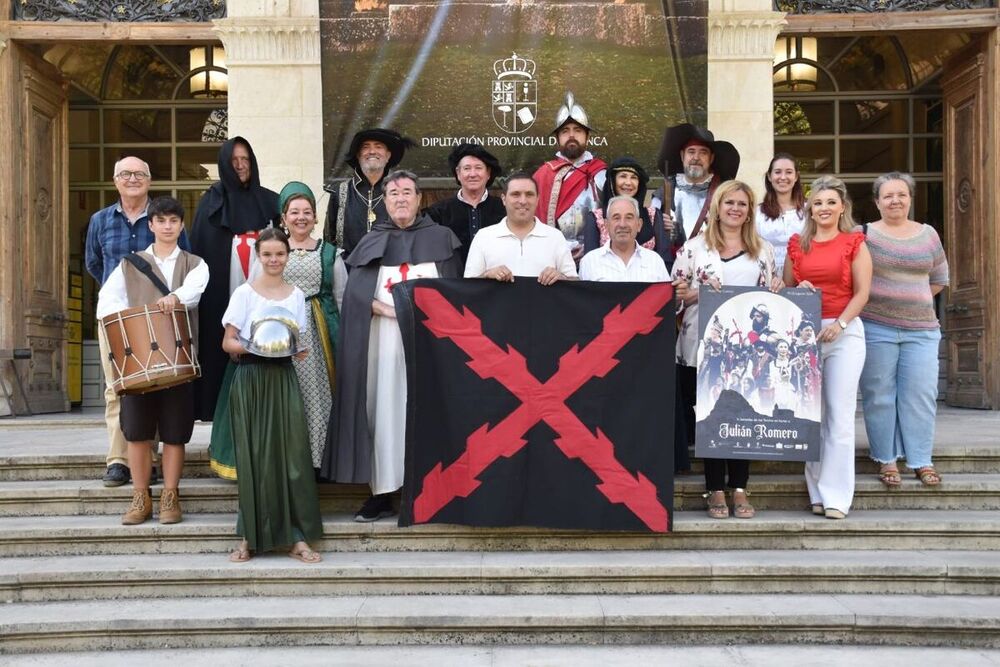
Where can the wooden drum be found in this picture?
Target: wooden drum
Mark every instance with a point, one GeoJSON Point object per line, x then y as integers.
{"type": "Point", "coordinates": [149, 349]}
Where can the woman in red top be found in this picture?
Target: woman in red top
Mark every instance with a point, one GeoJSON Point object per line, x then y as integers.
{"type": "Point", "coordinates": [829, 256]}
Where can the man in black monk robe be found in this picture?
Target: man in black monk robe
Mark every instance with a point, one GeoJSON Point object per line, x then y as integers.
{"type": "Point", "coordinates": [365, 442]}
{"type": "Point", "coordinates": [227, 223]}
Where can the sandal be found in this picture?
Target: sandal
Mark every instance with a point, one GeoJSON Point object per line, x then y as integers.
{"type": "Point", "coordinates": [717, 510]}
{"type": "Point", "coordinates": [304, 553]}
{"type": "Point", "coordinates": [817, 508]}
{"type": "Point", "coordinates": [888, 474]}
{"type": "Point", "coordinates": [743, 510]}
{"type": "Point", "coordinates": [240, 554]}
{"type": "Point", "coordinates": [928, 476]}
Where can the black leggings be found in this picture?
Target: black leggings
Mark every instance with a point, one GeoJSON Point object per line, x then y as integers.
{"type": "Point", "coordinates": [715, 474]}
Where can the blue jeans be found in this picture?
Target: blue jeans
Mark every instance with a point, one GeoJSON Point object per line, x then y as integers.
{"type": "Point", "coordinates": [899, 387]}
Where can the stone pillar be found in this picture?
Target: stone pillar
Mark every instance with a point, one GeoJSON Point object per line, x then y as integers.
{"type": "Point", "coordinates": [741, 36]}
{"type": "Point", "coordinates": [275, 96]}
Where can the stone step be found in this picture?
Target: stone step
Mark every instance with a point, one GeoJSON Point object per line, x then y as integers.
{"type": "Point", "coordinates": [30, 465]}
{"type": "Point", "coordinates": [868, 530]}
{"type": "Point", "coordinates": [516, 656]}
{"type": "Point", "coordinates": [940, 620]}
{"type": "Point", "coordinates": [768, 492]}
{"type": "Point", "coordinates": [154, 576]}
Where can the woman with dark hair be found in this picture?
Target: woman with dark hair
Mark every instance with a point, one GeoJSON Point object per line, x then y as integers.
{"type": "Point", "coordinates": [781, 214]}
{"type": "Point", "coordinates": [626, 177]}
{"type": "Point", "coordinates": [829, 256]}
{"type": "Point", "coordinates": [278, 502]}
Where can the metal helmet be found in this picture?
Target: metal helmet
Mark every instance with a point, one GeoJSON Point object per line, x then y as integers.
{"type": "Point", "coordinates": [571, 111]}
{"type": "Point", "coordinates": [274, 333]}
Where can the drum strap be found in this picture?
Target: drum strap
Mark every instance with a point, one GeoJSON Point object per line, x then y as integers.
{"type": "Point", "coordinates": [147, 270]}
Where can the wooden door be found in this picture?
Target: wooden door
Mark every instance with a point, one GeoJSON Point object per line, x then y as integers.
{"type": "Point", "coordinates": [36, 226]}
{"type": "Point", "coordinates": [970, 324]}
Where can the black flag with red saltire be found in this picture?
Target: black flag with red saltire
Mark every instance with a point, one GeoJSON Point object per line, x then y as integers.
{"type": "Point", "coordinates": [538, 406]}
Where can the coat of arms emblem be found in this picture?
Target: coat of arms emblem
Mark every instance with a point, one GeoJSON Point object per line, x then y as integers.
{"type": "Point", "coordinates": [515, 94]}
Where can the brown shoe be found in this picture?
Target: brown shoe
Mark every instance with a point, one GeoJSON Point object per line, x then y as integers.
{"type": "Point", "coordinates": [140, 510]}
{"type": "Point", "coordinates": [170, 506]}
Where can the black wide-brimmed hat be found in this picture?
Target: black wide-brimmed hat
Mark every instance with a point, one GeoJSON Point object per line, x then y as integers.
{"type": "Point", "coordinates": [393, 140]}
{"type": "Point", "coordinates": [725, 163]}
{"type": "Point", "coordinates": [477, 151]}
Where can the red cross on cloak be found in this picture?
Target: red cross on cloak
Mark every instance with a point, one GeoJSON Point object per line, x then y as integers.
{"type": "Point", "coordinates": [404, 269]}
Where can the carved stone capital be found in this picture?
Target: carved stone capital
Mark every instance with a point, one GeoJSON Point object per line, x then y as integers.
{"type": "Point", "coordinates": [269, 41]}
{"type": "Point", "coordinates": [743, 35]}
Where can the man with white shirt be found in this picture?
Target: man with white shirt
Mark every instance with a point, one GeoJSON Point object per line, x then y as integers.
{"type": "Point", "coordinates": [520, 244]}
{"type": "Point", "coordinates": [162, 276]}
{"type": "Point", "coordinates": [621, 259]}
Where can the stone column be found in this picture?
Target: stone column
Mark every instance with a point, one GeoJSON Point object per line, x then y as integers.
{"type": "Point", "coordinates": [741, 36]}
{"type": "Point", "coordinates": [275, 96]}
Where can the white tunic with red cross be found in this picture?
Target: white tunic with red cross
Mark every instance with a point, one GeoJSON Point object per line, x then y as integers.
{"type": "Point", "coordinates": [387, 381]}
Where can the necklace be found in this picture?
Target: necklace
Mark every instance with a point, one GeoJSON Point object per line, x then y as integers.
{"type": "Point", "coordinates": [371, 202]}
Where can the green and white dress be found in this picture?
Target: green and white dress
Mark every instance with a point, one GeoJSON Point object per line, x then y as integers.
{"type": "Point", "coordinates": [320, 274]}
{"type": "Point", "coordinates": [278, 501]}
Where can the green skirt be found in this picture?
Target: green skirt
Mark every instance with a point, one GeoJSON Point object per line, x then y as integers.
{"type": "Point", "coordinates": [279, 504]}
{"type": "Point", "coordinates": [221, 453]}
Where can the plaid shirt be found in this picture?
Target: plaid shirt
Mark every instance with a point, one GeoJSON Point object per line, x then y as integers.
{"type": "Point", "coordinates": [110, 237]}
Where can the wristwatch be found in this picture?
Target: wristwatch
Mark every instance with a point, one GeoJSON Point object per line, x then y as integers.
{"type": "Point", "coordinates": [842, 323]}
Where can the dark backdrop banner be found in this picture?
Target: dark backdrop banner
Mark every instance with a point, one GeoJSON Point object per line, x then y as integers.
{"type": "Point", "coordinates": [497, 71]}
{"type": "Point", "coordinates": [759, 374]}
{"type": "Point", "coordinates": [538, 406]}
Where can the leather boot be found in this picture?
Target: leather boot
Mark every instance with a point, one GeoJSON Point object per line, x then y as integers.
{"type": "Point", "coordinates": [170, 506]}
{"type": "Point", "coordinates": [141, 508]}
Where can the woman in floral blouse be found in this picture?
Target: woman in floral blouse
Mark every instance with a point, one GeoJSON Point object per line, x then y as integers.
{"type": "Point", "coordinates": [728, 252]}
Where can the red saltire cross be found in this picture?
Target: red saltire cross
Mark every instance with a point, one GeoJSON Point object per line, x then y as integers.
{"type": "Point", "coordinates": [542, 402]}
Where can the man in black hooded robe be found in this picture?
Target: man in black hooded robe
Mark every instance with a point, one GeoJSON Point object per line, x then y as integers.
{"type": "Point", "coordinates": [226, 225]}
{"type": "Point", "coordinates": [365, 445]}
{"type": "Point", "coordinates": [356, 203]}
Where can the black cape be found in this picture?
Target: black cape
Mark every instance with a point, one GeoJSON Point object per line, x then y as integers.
{"type": "Point", "coordinates": [465, 220]}
{"type": "Point", "coordinates": [348, 454]}
{"type": "Point", "coordinates": [227, 209]}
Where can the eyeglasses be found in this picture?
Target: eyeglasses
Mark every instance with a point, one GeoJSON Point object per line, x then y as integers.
{"type": "Point", "coordinates": [127, 175]}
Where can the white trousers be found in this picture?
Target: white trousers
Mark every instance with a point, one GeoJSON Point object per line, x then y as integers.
{"type": "Point", "coordinates": [831, 479]}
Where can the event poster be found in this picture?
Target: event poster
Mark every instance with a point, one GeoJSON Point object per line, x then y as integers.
{"type": "Point", "coordinates": [759, 374]}
{"type": "Point", "coordinates": [497, 71]}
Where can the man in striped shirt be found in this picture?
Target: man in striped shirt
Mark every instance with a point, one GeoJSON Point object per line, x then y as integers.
{"type": "Point", "coordinates": [621, 259]}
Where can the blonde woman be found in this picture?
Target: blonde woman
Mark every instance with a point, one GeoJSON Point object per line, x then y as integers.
{"type": "Point", "coordinates": [728, 252]}
{"type": "Point", "coordinates": [830, 256]}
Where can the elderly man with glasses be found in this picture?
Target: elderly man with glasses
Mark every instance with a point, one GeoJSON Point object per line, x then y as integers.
{"type": "Point", "coordinates": [116, 231]}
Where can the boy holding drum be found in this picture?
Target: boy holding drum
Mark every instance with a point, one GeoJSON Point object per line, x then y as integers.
{"type": "Point", "coordinates": [162, 277]}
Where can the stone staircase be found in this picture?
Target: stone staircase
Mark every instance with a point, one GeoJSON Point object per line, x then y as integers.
{"type": "Point", "coordinates": [912, 567]}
